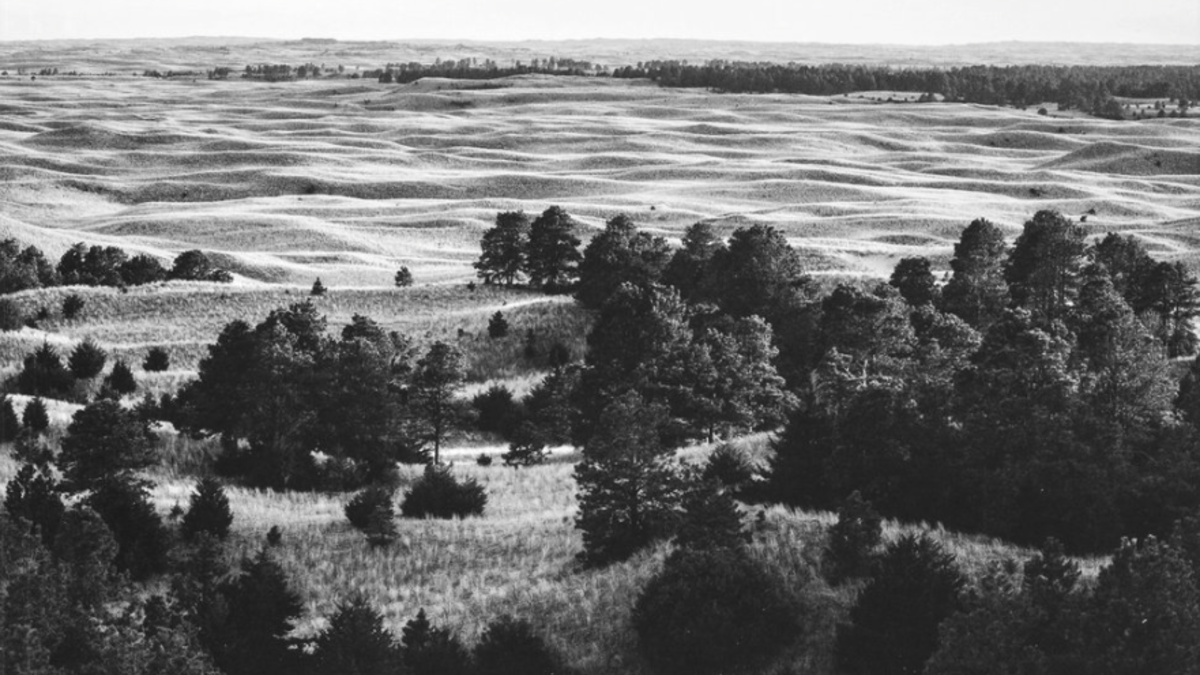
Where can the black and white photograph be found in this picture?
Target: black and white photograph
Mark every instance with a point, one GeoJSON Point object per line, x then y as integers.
{"type": "Point", "coordinates": [640, 337]}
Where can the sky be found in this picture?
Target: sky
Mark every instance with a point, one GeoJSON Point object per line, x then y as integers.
{"type": "Point", "coordinates": [830, 21]}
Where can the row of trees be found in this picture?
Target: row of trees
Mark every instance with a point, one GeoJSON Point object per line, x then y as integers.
{"type": "Point", "coordinates": [298, 409]}
{"type": "Point", "coordinates": [83, 265]}
{"type": "Point", "coordinates": [1087, 88]}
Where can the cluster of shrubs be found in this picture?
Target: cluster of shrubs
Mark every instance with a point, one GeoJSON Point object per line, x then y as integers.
{"type": "Point", "coordinates": [44, 374]}
{"type": "Point", "coordinates": [83, 265]}
{"type": "Point", "coordinates": [436, 494]}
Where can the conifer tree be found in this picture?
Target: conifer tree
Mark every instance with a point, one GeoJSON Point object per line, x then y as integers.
{"type": "Point", "coordinates": [121, 379]}
{"type": "Point", "coordinates": [977, 291]}
{"type": "Point", "coordinates": [157, 360]}
{"type": "Point", "coordinates": [10, 424]}
{"type": "Point", "coordinates": [552, 260]}
{"type": "Point", "coordinates": [35, 417]}
{"type": "Point", "coordinates": [355, 643]}
{"type": "Point", "coordinates": [505, 248]}
{"type": "Point", "coordinates": [87, 360]}
{"type": "Point", "coordinates": [318, 288]}
{"type": "Point", "coordinates": [497, 326]}
{"type": "Point", "coordinates": [208, 511]}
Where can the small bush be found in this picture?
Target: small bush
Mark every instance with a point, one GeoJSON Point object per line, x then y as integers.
{"type": "Point", "coordinates": [157, 360]}
{"type": "Point", "coordinates": [711, 519]}
{"type": "Point", "coordinates": [497, 326]}
{"type": "Point", "coordinates": [509, 646]}
{"type": "Point", "coordinates": [528, 446]}
{"type": "Point", "coordinates": [437, 494]}
{"type": "Point", "coordinates": [11, 317]}
{"type": "Point", "coordinates": [367, 502]}
{"type": "Point", "coordinates": [404, 278]}
{"type": "Point", "coordinates": [893, 627]}
{"type": "Point", "coordinates": [432, 651]}
{"type": "Point", "coordinates": [728, 466]}
{"type": "Point", "coordinates": [318, 288]}
{"type": "Point", "coordinates": [72, 305]}
{"type": "Point", "coordinates": [852, 540]}
{"type": "Point", "coordinates": [208, 511]}
{"type": "Point", "coordinates": [496, 411]}
{"type": "Point", "coordinates": [712, 611]}
{"type": "Point", "coordinates": [483, 459]}
{"type": "Point", "coordinates": [274, 536]}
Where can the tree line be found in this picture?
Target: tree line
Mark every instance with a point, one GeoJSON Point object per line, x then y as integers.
{"type": "Point", "coordinates": [82, 265]}
{"type": "Point", "coordinates": [1086, 88]}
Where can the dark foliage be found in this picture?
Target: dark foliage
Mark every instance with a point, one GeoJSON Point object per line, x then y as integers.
{"type": "Point", "coordinates": [318, 288]}
{"type": "Point", "coordinates": [496, 411]}
{"type": "Point", "coordinates": [497, 326]}
{"type": "Point", "coordinates": [403, 278]}
{"type": "Point", "coordinates": [894, 623]}
{"type": "Point", "coordinates": [142, 539]}
{"type": "Point", "coordinates": [429, 650]}
{"type": "Point", "coordinates": [35, 417]}
{"type": "Point", "coordinates": [251, 637]}
{"type": "Point", "coordinates": [194, 265]}
{"type": "Point", "coordinates": [43, 374]}
{"type": "Point", "coordinates": [438, 494]}
{"type": "Point", "coordinates": [712, 611]}
{"type": "Point", "coordinates": [850, 552]}
{"type": "Point", "coordinates": [728, 466]}
{"type": "Point", "coordinates": [620, 254]}
{"type": "Point", "coordinates": [92, 266]}
{"type": "Point", "coordinates": [87, 360]}
{"type": "Point", "coordinates": [72, 305]}
{"type": "Point", "coordinates": [505, 246]}
{"type": "Point", "coordinates": [365, 504]}
{"type": "Point", "coordinates": [355, 643]}
{"type": "Point", "coordinates": [32, 496]}
{"type": "Point", "coordinates": [104, 442]}
{"type": "Point", "coordinates": [913, 277]}
{"type": "Point", "coordinates": [710, 519]}
{"type": "Point", "coordinates": [142, 269]}
{"type": "Point", "coordinates": [509, 646]}
{"type": "Point", "coordinates": [208, 511]}
{"type": "Point", "coordinates": [21, 269]}
{"type": "Point", "coordinates": [120, 379]}
{"type": "Point", "coordinates": [552, 255]}
{"type": "Point", "coordinates": [157, 360]}
{"type": "Point", "coordinates": [11, 316]}
{"type": "Point", "coordinates": [10, 424]}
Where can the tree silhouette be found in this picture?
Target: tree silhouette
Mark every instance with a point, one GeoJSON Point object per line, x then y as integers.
{"type": "Point", "coordinates": [618, 255]}
{"type": "Point", "coordinates": [505, 246]}
{"type": "Point", "coordinates": [552, 257]}
{"type": "Point", "coordinates": [87, 360]}
{"type": "Point", "coordinates": [35, 417]}
{"type": "Point", "coordinates": [437, 375]}
{"type": "Point", "coordinates": [355, 642]}
{"type": "Point", "coordinates": [977, 291]}
{"type": "Point", "coordinates": [208, 511]}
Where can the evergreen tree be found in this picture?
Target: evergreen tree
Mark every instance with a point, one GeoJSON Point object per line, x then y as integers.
{"type": "Point", "coordinates": [87, 360]}
{"type": "Point", "coordinates": [72, 305]}
{"type": "Point", "coordinates": [262, 609]}
{"type": "Point", "coordinates": [894, 623]}
{"type": "Point", "coordinates": [914, 279]}
{"type": "Point", "coordinates": [10, 424]}
{"type": "Point", "coordinates": [977, 291]}
{"type": "Point", "coordinates": [1044, 267]}
{"type": "Point", "coordinates": [43, 374]}
{"type": "Point", "coordinates": [104, 441]}
{"type": "Point", "coordinates": [33, 496]}
{"type": "Point", "coordinates": [759, 273]}
{"type": "Point", "coordinates": [850, 551]}
{"type": "Point", "coordinates": [497, 326]}
{"type": "Point", "coordinates": [629, 489]}
{"type": "Point", "coordinates": [121, 379]}
{"type": "Point", "coordinates": [434, 381]}
{"type": "Point", "coordinates": [429, 650]}
{"type": "Point", "coordinates": [403, 278]}
{"type": "Point", "coordinates": [208, 511]}
{"type": "Point", "coordinates": [11, 316]}
{"type": "Point", "coordinates": [142, 539]}
{"type": "Point", "coordinates": [355, 643]}
{"type": "Point", "coordinates": [553, 257]}
{"type": "Point", "coordinates": [689, 265]}
{"type": "Point", "coordinates": [710, 518]}
{"type": "Point", "coordinates": [35, 417]}
{"type": "Point", "coordinates": [318, 288]}
{"type": "Point", "coordinates": [194, 265]}
{"type": "Point", "coordinates": [509, 646]}
{"type": "Point", "coordinates": [142, 269]}
{"type": "Point", "coordinates": [157, 360]}
{"type": "Point", "coordinates": [620, 254]}
{"type": "Point", "coordinates": [505, 246]}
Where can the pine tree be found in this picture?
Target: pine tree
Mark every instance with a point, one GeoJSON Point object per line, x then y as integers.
{"type": "Point", "coordinates": [629, 489]}
{"type": "Point", "coordinates": [429, 650]}
{"type": "Point", "coordinates": [434, 381]}
{"type": "Point", "coordinates": [850, 551]}
{"type": "Point", "coordinates": [977, 291]}
{"type": "Point", "coordinates": [1043, 270]}
{"type": "Point", "coordinates": [72, 305]}
{"type": "Point", "coordinates": [43, 374]}
{"type": "Point", "coordinates": [208, 511]}
{"type": "Point", "coordinates": [553, 254]}
{"type": "Point", "coordinates": [35, 416]}
{"type": "Point", "coordinates": [262, 609]}
{"type": "Point", "coordinates": [87, 360]}
{"type": "Point", "coordinates": [509, 646]}
{"type": "Point", "coordinates": [10, 424]}
{"type": "Point", "coordinates": [157, 360]}
{"type": "Point", "coordinates": [121, 379]}
{"type": "Point", "coordinates": [403, 278]}
{"type": "Point", "coordinates": [355, 643]}
{"type": "Point", "coordinates": [497, 326]}
{"type": "Point", "coordinates": [620, 254]}
{"type": "Point", "coordinates": [318, 288]}
{"type": "Point", "coordinates": [103, 442]}
{"type": "Point", "coordinates": [504, 249]}
{"type": "Point", "coordinates": [914, 279]}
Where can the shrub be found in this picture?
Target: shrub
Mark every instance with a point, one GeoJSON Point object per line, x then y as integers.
{"type": "Point", "coordinates": [208, 511]}
{"type": "Point", "coordinates": [10, 424]}
{"type": "Point", "coordinates": [509, 646]}
{"type": "Point", "coordinates": [894, 624]}
{"type": "Point", "coordinates": [355, 643]}
{"type": "Point", "coordinates": [142, 269]}
{"type": "Point", "coordinates": [121, 379]}
{"type": "Point", "coordinates": [711, 519]}
{"type": "Point", "coordinates": [497, 326]}
{"type": "Point", "coordinates": [559, 355]}
{"type": "Point", "coordinates": [528, 446]}
{"type": "Point", "coordinates": [104, 441]}
{"type": "Point", "coordinates": [437, 494]}
{"type": "Point", "coordinates": [728, 466]}
{"type": "Point", "coordinates": [157, 360]}
{"type": "Point", "coordinates": [87, 360]}
{"type": "Point", "coordinates": [483, 459]}
{"type": "Point", "coordinates": [318, 288]}
{"type": "Point", "coordinates": [35, 417]}
{"type": "Point", "coordinates": [11, 317]}
{"type": "Point", "coordinates": [432, 651]}
{"type": "Point", "coordinates": [367, 502]}
{"type": "Point", "coordinates": [852, 540]}
{"type": "Point", "coordinates": [381, 526]}
{"type": "Point", "coordinates": [496, 410]}
{"type": "Point", "coordinates": [404, 278]}
{"type": "Point", "coordinates": [712, 611]}
{"type": "Point", "coordinates": [43, 374]}
{"type": "Point", "coordinates": [72, 305]}
{"type": "Point", "coordinates": [33, 496]}
{"type": "Point", "coordinates": [274, 536]}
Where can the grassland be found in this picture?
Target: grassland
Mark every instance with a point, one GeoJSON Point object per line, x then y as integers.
{"type": "Point", "coordinates": [348, 180]}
